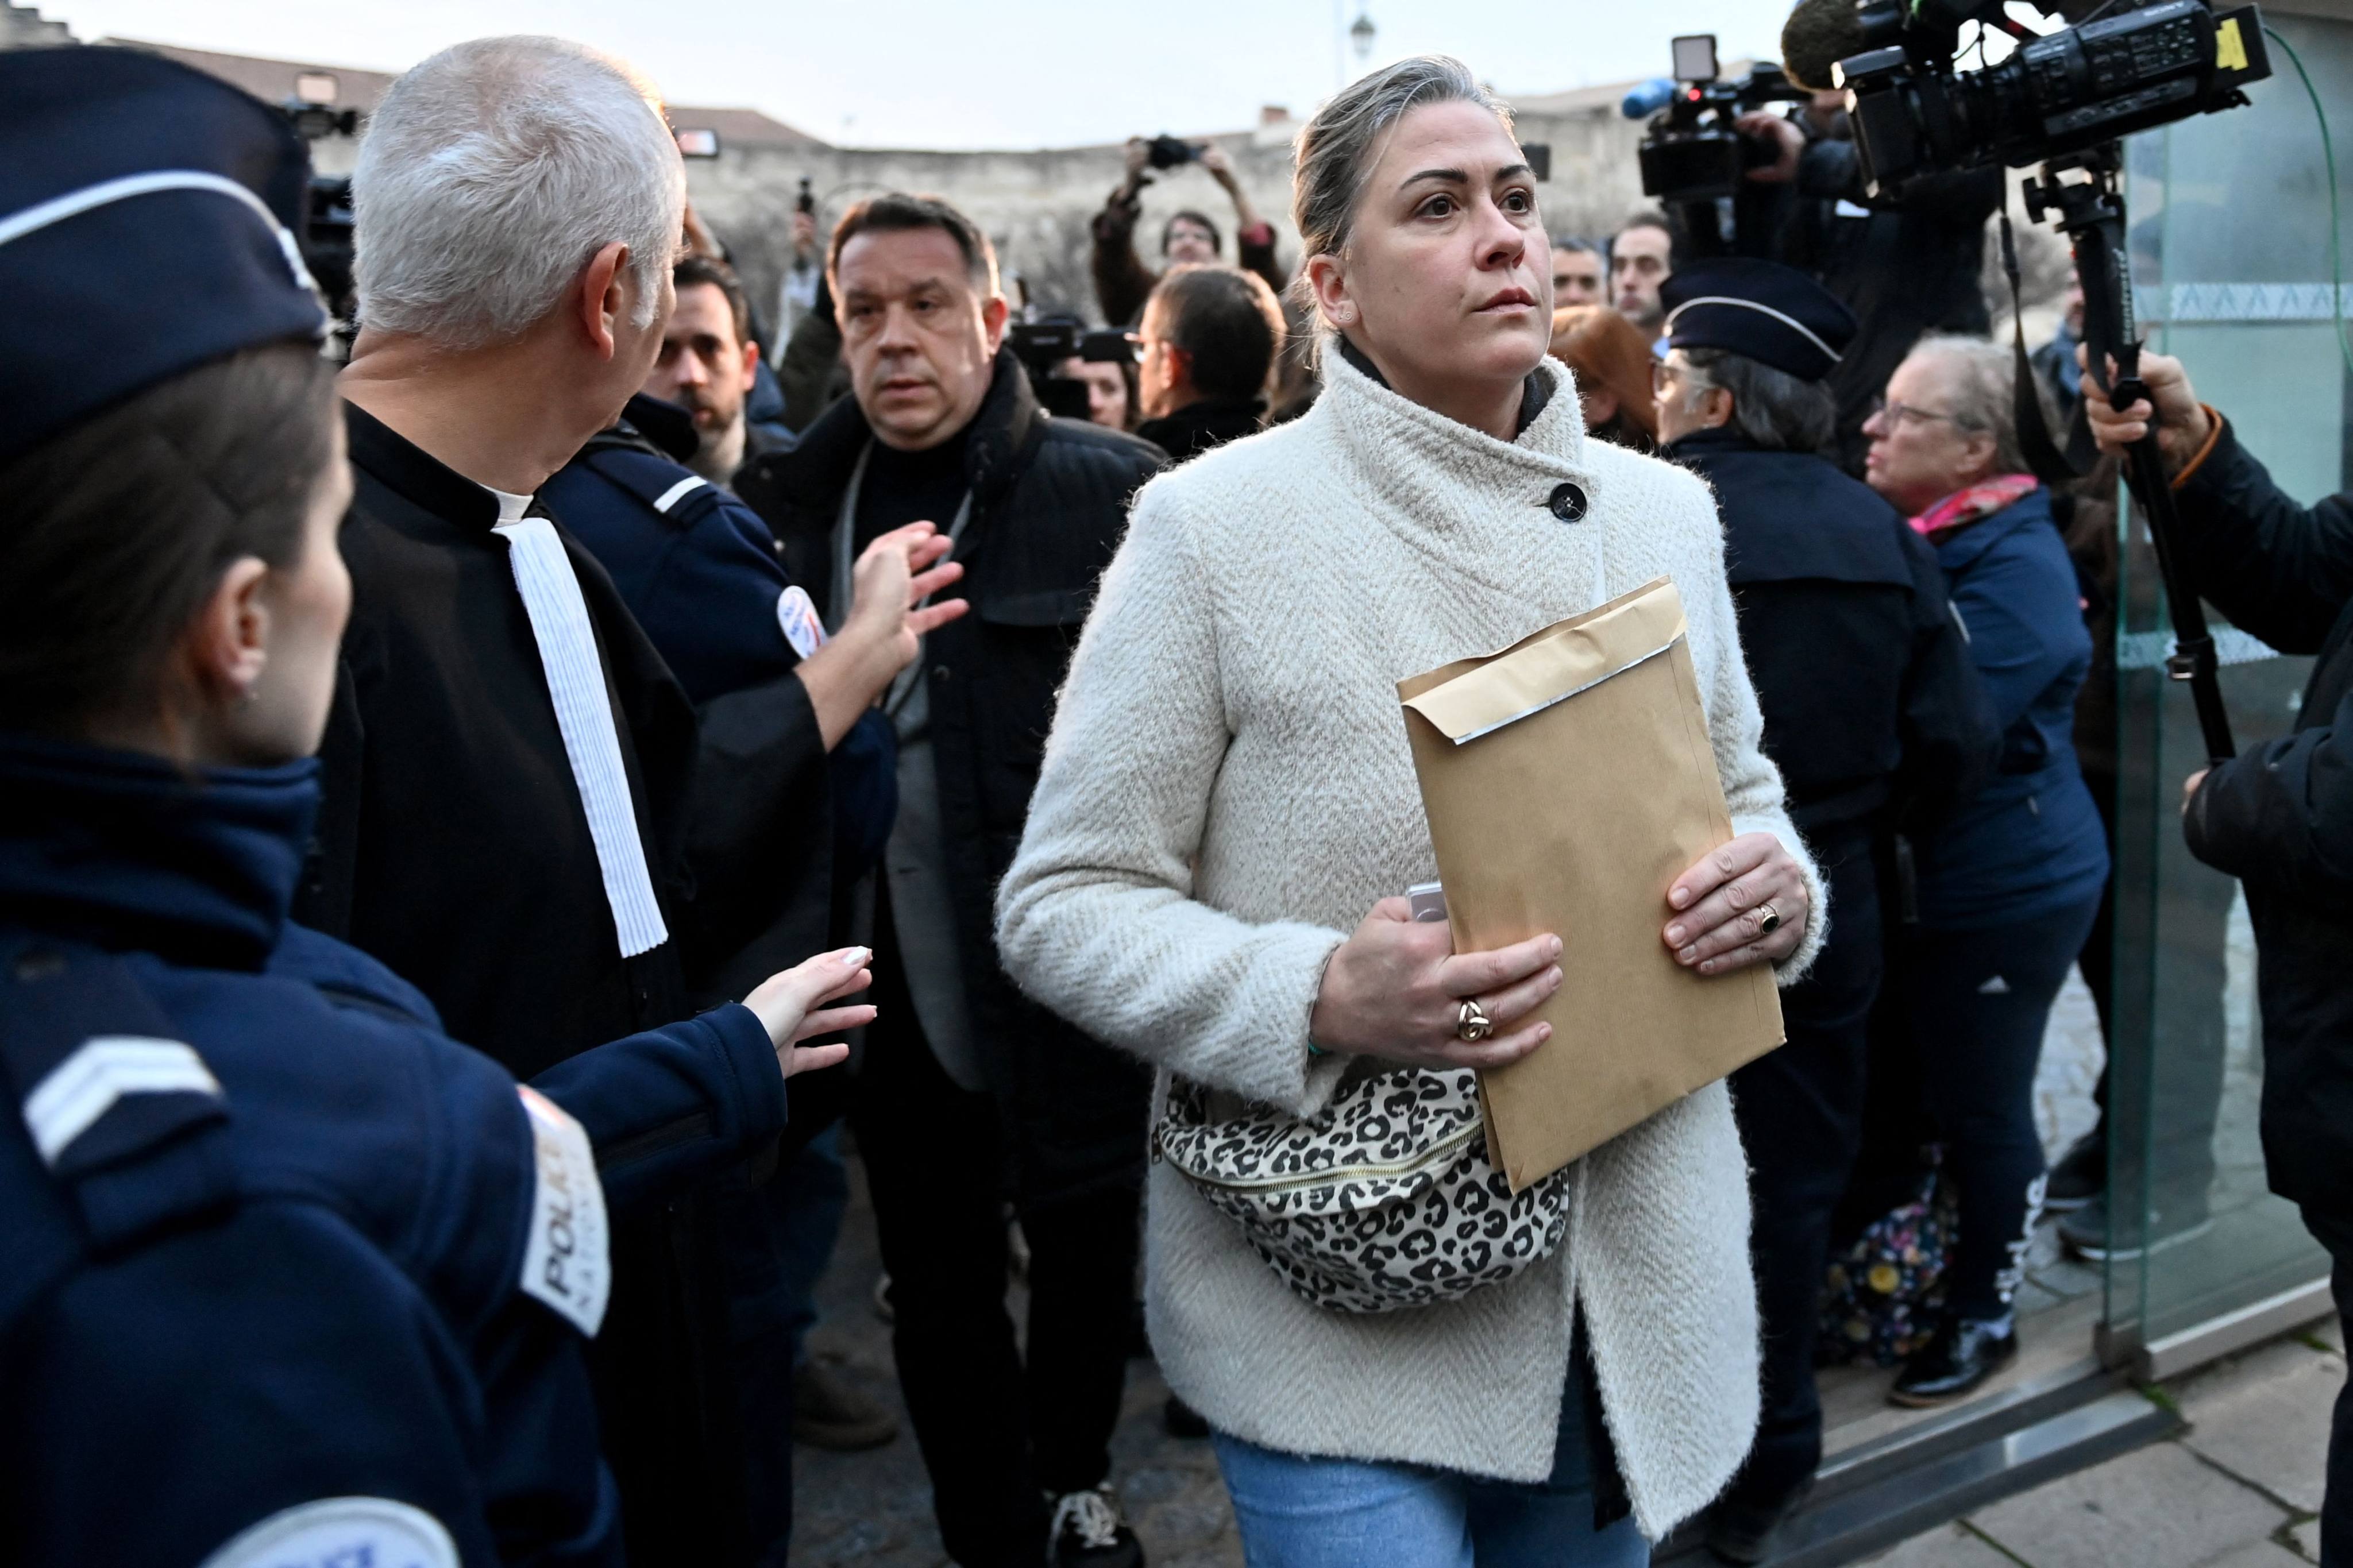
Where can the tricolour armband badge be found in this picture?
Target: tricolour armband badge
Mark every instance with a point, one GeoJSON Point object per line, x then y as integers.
{"type": "Point", "coordinates": [340, 1531]}
{"type": "Point", "coordinates": [796, 614]}
{"type": "Point", "coordinates": [566, 1262]}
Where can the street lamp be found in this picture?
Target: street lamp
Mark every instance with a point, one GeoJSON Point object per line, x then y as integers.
{"type": "Point", "coordinates": [1361, 34]}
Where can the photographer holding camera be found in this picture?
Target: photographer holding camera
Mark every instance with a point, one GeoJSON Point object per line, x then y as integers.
{"type": "Point", "coordinates": [2279, 817]}
{"type": "Point", "coordinates": [1123, 282]}
{"type": "Point", "coordinates": [1906, 266]}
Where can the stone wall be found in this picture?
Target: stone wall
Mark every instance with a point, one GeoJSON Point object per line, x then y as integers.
{"type": "Point", "coordinates": [1036, 205]}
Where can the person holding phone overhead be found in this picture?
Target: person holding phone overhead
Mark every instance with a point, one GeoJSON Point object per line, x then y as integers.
{"type": "Point", "coordinates": [1228, 811]}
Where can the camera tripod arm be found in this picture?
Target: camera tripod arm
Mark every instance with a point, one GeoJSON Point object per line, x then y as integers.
{"type": "Point", "coordinates": [2091, 212]}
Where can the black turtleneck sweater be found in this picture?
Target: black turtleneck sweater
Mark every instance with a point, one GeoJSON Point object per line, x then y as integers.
{"type": "Point", "coordinates": [901, 487]}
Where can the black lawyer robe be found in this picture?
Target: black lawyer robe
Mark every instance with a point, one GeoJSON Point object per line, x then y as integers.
{"type": "Point", "coordinates": [453, 846]}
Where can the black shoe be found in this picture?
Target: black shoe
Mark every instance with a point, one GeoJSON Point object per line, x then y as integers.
{"type": "Point", "coordinates": [1743, 1532]}
{"type": "Point", "coordinates": [1088, 1533]}
{"type": "Point", "coordinates": [2081, 1174]}
{"type": "Point", "coordinates": [1182, 1420]}
{"type": "Point", "coordinates": [1961, 1354]}
{"type": "Point", "coordinates": [828, 1414]}
{"type": "Point", "coordinates": [2086, 1231]}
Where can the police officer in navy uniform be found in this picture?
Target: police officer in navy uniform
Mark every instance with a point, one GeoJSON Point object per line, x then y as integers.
{"type": "Point", "coordinates": [1872, 710]}
{"type": "Point", "coordinates": [286, 1276]}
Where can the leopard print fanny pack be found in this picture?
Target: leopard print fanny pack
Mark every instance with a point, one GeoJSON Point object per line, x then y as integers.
{"type": "Point", "coordinates": [1386, 1200]}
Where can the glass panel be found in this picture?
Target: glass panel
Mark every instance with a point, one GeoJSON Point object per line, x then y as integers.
{"type": "Point", "coordinates": [2229, 234]}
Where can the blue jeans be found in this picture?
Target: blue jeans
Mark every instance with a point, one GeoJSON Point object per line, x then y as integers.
{"type": "Point", "coordinates": [1299, 1512]}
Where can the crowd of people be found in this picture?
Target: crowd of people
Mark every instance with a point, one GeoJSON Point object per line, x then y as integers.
{"type": "Point", "coordinates": [596, 645]}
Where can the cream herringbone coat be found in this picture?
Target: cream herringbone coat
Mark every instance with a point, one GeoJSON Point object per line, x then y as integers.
{"type": "Point", "coordinates": [1225, 791]}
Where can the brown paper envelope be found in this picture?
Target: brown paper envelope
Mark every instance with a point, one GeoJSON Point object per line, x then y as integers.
{"type": "Point", "coordinates": [1568, 780]}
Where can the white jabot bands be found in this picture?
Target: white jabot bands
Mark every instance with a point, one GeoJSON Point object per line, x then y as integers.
{"type": "Point", "coordinates": [575, 680]}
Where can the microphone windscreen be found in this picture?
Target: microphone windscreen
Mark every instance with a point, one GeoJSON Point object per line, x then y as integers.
{"type": "Point", "coordinates": [1818, 34]}
{"type": "Point", "coordinates": [1647, 98]}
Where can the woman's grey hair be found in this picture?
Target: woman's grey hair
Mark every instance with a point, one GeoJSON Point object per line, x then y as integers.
{"type": "Point", "coordinates": [1983, 393]}
{"type": "Point", "coordinates": [1337, 148]}
{"type": "Point", "coordinates": [492, 172]}
{"type": "Point", "coordinates": [1771, 408]}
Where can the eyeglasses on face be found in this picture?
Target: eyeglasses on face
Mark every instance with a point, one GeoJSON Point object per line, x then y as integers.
{"type": "Point", "coordinates": [1893, 414]}
{"type": "Point", "coordinates": [1665, 372]}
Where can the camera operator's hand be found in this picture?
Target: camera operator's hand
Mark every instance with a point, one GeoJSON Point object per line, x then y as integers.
{"type": "Point", "coordinates": [1396, 989]}
{"type": "Point", "coordinates": [2183, 425]}
{"type": "Point", "coordinates": [1788, 140]}
{"type": "Point", "coordinates": [884, 629]}
{"type": "Point", "coordinates": [791, 1006]}
{"type": "Point", "coordinates": [2189, 788]}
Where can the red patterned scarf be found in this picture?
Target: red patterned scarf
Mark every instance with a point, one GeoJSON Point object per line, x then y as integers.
{"type": "Point", "coordinates": [1978, 500]}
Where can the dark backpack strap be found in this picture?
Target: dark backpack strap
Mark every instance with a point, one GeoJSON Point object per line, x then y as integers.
{"type": "Point", "coordinates": [125, 1117]}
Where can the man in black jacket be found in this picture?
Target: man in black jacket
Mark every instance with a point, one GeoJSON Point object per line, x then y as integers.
{"type": "Point", "coordinates": [1870, 703]}
{"type": "Point", "coordinates": [969, 1082]}
{"type": "Point", "coordinates": [2280, 816]}
{"type": "Point", "coordinates": [1211, 337]}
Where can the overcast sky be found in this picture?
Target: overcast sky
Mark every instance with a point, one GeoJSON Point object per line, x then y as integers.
{"type": "Point", "coordinates": [977, 73]}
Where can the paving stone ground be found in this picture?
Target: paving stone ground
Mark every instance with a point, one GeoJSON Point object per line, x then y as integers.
{"type": "Point", "coordinates": [2238, 1488]}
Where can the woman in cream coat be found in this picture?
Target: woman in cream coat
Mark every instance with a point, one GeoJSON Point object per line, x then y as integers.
{"type": "Point", "coordinates": [1228, 790]}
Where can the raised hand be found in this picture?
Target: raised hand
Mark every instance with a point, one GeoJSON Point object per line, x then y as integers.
{"type": "Point", "coordinates": [790, 1005]}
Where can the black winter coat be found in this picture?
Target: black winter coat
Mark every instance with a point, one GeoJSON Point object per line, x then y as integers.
{"type": "Point", "coordinates": [2280, 816]}
{"type": "Point", "coordinates": [1197, 426]}
{"type": "Point", "coordinates": [1049, 501]}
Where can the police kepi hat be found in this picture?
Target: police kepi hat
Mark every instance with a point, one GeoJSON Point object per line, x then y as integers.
{"type": "Point", "coordinates": [1762, 310]}
{"type": "Point", "coordinates": [147, 214]}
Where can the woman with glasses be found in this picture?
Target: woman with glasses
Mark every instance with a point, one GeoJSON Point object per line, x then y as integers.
{"type": "Point", "coordinates": [2010, 883]}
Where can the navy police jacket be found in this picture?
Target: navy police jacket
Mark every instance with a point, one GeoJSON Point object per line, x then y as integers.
{"type": "Point", "coordinates": [1872, 712]}
{"type": "Point", "coordinates": [275, 1252]}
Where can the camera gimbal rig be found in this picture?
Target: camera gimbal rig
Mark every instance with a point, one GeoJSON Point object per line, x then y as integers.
{"type": "Point", "coordinates": [2091, 212]}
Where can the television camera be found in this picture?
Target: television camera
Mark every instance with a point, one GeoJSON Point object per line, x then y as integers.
{"type": "Point", "coordinates": [2063, 100]}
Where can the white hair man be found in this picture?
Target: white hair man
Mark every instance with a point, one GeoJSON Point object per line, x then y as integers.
{"type": "Point", "coordinates": [511, 764]}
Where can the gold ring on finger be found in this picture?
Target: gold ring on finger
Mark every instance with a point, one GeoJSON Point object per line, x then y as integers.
{"type": "Point", "coordinates": [1768, 918]}
{"type": "Point", "coordinates": [1472, 1024]}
